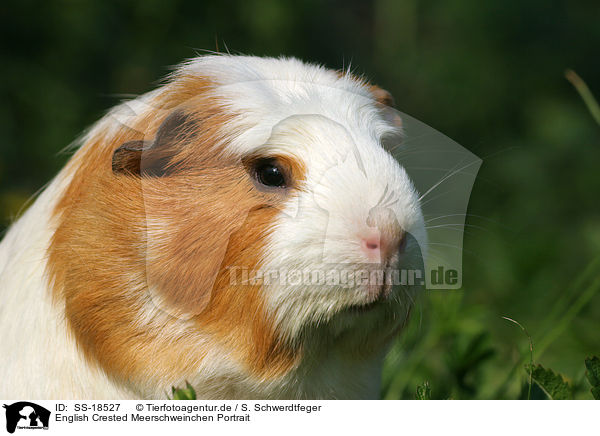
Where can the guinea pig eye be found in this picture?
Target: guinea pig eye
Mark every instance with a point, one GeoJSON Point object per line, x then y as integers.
{"type": "Point", "coordinates": [268, 173]}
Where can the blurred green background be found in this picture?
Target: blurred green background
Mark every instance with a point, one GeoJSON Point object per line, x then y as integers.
{"type": "Point", "coordinates": [490, 75]}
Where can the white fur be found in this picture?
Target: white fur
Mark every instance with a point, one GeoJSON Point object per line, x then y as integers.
{"type": "Point", "coordinates": [327, 121]}
{"type": "Point", "coordinates": [39, 357]}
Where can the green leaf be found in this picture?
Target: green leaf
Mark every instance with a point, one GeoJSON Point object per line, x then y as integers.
{"type": "Point", "coordinates": [554, 385]}
{"type": "Point", "coordinates": [593, 375]}
{"type": "Point", "coordinates": [423, 392]}
{"type": "Point", "coordinates": [187, 393]}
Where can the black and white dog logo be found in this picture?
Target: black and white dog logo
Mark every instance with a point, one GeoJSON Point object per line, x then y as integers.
{"type": "Point", "coordinates": [26, 415]}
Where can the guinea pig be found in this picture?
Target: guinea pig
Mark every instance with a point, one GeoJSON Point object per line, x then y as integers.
{"type": "Point", "coordinates": [224, 230]}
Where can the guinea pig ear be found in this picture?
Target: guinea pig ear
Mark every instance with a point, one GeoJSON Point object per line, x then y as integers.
{"type": "Point", "coordinates": [382, 96]}
{"type": "Point", "coordinates": [386, 102]}
{"type": "Point", "coordinates": [128, 157]}
{"type": "Point", "coordinates": [154, 158]}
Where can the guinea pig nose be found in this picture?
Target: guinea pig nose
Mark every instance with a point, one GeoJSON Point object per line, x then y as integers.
{"type": "Point", "coordinates": [383, 237]}
{"type": "Point", "coordinates": [370, 244]}
{"type": "Point", "coordinates": [380, 246]}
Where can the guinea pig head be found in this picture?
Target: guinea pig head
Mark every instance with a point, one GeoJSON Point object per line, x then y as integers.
{"type": "Point", "coordinates": [208, 230]}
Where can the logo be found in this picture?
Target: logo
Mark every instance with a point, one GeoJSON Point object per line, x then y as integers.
{"type": "Point", "coordinates": [25, 415]}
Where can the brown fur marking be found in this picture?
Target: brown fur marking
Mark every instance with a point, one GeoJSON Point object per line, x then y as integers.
{"type": "Point", "coordinates": [120, 233]}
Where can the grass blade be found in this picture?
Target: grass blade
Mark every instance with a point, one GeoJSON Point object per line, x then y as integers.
{"type": "Point", "coordinates": [585, 93]}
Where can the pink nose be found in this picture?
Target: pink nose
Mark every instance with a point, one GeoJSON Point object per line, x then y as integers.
{"type": "Point", "coordinates": [370, 244]}
{"type": "Point", "coordinates": [382, 238]}
{"type": "Point", "coordinates": [380, 247]}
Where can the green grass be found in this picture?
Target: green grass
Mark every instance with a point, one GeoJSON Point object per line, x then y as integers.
{"type": "Point", "coordinates": [450, 346]}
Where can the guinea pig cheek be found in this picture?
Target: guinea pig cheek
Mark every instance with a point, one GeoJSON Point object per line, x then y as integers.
{"type": "Point", "coordinates": [205, 226]}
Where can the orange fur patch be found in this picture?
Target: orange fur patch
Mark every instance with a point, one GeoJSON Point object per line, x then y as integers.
{"type": "Point", "coordinates": [382, 96]}
{"type": "Point", "coordinates": [386, 104]}
{"type": "Point", "coordinates": [120, 236]}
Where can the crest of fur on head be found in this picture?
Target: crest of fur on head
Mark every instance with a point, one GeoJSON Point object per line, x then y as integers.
{"type": "Point", "coordinates": [237, 164]}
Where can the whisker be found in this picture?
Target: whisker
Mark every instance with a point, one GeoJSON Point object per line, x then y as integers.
{"type": "Point", "coordinates": [441, 194]}
{"type": "Point", "coordinates": [462, 215]}
{"type": "Point", "coordinates": [452, 174]}
{"type": "Point", "coordinates": [451, 225]}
